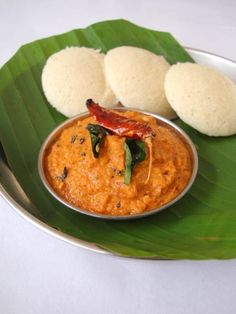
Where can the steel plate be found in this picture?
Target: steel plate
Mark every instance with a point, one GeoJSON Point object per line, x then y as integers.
{"type": "Point", "coordinates": [11, 191]}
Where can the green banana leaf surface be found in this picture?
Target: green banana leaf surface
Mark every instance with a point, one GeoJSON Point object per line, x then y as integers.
{"type": "Point", "coordinates": [202, 225]}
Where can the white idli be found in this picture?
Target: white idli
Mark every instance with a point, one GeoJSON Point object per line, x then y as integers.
{"type": "Point", "coordinates": [136, 77]}
{"type": "Point", "coordinates": [73, 75]}
{"type": "Point", "coordinates": [203, 98]}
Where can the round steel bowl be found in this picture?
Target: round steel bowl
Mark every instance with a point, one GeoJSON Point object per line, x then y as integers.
{"type": "Point", "coordinates": [56, 132]}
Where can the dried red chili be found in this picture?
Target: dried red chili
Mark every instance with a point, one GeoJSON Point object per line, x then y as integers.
{"type": "Point", "coordinates": [118, 124]}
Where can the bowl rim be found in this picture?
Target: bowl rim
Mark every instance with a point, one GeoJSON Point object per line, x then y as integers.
{"type": "Point", "coordinates": [55, 132]}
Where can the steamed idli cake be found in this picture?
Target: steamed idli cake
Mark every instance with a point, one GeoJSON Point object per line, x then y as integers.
{"type": "Point", "coordinates": [73, 75]}
{"type": "Point", "coordinates": [136, 77]}
{"type": "Point", "coordinates": [203, 98]}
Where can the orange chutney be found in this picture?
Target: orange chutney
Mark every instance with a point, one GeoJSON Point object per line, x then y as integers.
{"type": "Point", "coordinates": [97, 184]}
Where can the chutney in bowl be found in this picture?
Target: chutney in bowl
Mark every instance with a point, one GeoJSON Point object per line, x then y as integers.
{"type": "Point", "coordinates": [97, 187]}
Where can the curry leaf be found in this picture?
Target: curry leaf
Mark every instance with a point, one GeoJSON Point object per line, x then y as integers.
{"type": "Point", "coordinates": [128, 163]}
{"type": "Point", "coordinates": [135, 152]}
{"type": "Point", "coordinates": [97, 135]}
{"type": "Point", "coordinates": [97, 129]}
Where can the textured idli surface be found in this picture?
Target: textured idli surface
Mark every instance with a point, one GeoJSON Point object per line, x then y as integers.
{"type": "Point", "coordinates": [73, 75]}
{"type": "Point", "coordinates": [136, 77]}
{"type": "Point", "coordinates": [203, 98]}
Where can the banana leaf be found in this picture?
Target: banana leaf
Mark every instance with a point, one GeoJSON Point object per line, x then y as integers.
{"type": "Point", "coordinates": [202, 225]}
